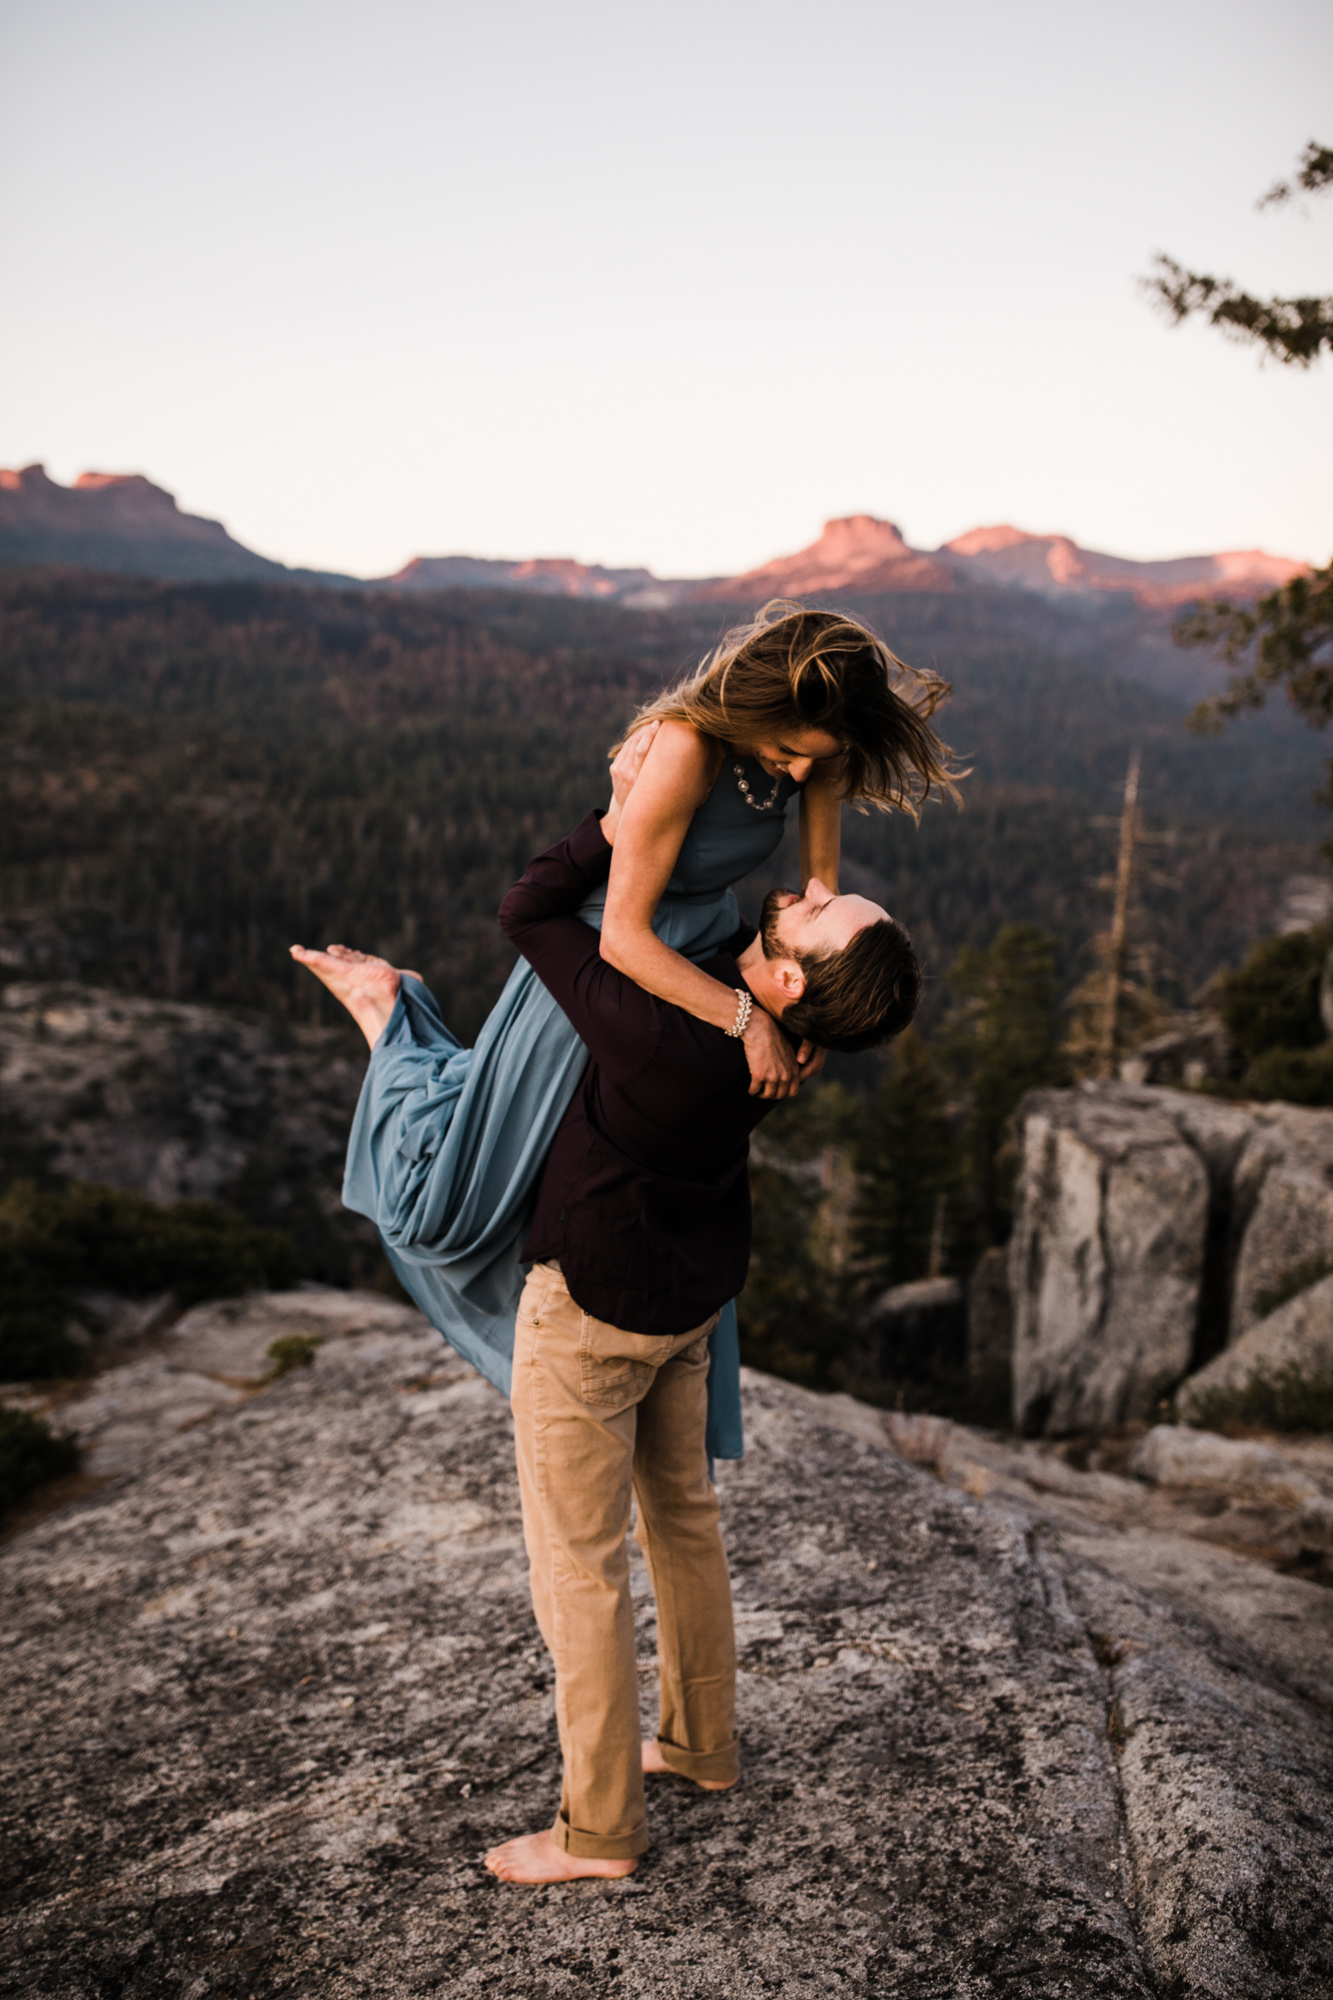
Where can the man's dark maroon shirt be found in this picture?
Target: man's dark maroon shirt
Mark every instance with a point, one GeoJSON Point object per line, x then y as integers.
{"type": "Point", "coordinates": [645, 1195]}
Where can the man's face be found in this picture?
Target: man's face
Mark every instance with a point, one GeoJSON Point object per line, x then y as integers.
{"type": "Point", "coordinates": [816, 924]}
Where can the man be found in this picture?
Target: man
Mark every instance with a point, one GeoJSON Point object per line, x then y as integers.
{"type": "Point", "coordinates": [641, 1233]}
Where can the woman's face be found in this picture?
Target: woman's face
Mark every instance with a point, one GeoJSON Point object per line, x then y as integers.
{"type": "Point", "coordinates": [794, 752]}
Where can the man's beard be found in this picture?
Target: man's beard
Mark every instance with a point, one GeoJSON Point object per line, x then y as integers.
{"type": "Point", "coordinates": [768, 926]}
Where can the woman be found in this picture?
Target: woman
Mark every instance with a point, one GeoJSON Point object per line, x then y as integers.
{"type": "Point", "coordinates": [448, 1143]}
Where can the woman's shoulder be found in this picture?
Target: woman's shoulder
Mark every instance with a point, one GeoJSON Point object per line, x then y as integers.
{"type": "Point", "coordinates": [682, 754]}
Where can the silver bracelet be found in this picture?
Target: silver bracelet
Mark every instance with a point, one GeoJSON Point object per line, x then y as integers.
{"type": "Point", "coordinates": [744, 1009]}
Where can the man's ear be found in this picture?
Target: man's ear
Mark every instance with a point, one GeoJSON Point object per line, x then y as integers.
{"type": "Point", "coordinates": [789, 979]}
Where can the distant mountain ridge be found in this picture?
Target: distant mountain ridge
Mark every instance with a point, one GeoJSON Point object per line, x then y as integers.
{"type": "Point", "coordinates": [552, 576]}
{"type": "Point", "coordinates": [1057, 566]}
{"type": "Point", "coordinates": [123, 522]}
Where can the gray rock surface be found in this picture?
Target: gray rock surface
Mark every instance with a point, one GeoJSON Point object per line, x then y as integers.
{"type": "Point", "coordinates": [1149, 1222]}
{"type": "Point", "coordinates": [1316, 1524]}
{"type": "Point", "coordinates": [1221, 1553]}
{"type": "Point", "coordinates": [1298, 1335]}
{"type": "Point", "coordinates": [183, 1102]}
{"type": "Point", "coordinates": [122, 1419]}
{"type": "Point", "coordinates": [203, 1363]}
{"type": "Point", "coordinates": [267, 1701]}
{"type": "Point", "coordinates": [1105, 1262]}
{"type": "Point", "coordinates": [1173, 1455]}
{"type": "Point", "coordinates": [231, 1337]}
{"type": "Point", "coordinates": [1284, 1192]}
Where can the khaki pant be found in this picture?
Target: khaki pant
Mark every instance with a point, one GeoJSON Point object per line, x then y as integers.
{"type": "Point", "coordinates": [598, 1411]}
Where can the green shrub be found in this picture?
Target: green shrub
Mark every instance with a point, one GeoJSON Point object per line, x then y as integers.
{"type": "Point", "coordinates": [1296, 1076]}
{"type": "Point", "coordinates": [1272, 1000]}
{"type": "Point", "coordinates": [53, 1241]}
{"type": "Point", "coordinates": [291, 1350]}
{"type": "Point", "coordinates": [1287, 1284]}
{"type": "Point", "coordinates": [34, 1321]}
{"type": "Point", "coordinates": [1283, 1399]}
{"type": "Point", "coordinates": [89, 1235]}
{"type": "Point", "coordinates": [30, 1454]}
{"type": "Point", "coordinates": [35, 1342]}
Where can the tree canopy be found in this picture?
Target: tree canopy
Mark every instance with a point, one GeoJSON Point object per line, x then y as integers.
{"type": "Point", "coordinates": [1286, 639]}
{"type": "Point", "coordinates": [1293, 331]}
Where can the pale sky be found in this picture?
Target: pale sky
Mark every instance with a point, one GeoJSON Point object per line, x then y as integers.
{"type": "Point", "coordinates": [665, 286]}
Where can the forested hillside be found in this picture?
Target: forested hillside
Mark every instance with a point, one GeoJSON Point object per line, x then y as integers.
{"type": "Point", "coordinates": [195, 776]}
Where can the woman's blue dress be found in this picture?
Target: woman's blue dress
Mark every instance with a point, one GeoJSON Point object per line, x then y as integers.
{"type": "Point", "coordinates": [448, 1143]}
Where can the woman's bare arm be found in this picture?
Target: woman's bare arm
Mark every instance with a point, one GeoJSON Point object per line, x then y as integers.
{"type": "Point", "coordinates": [821, 827]}
{"type": "Point", "coordinates": [677, 775]}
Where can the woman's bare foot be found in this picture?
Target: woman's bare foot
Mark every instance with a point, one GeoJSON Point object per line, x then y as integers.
{"type": "Point", "coordinates": [655, 1766]}
{"type": "Point", "coordinates": [367, 987]}
{"type": "Point", "coordinates": [536, 1857]}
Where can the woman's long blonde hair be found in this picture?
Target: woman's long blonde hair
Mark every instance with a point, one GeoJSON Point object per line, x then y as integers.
{"type": "Point", "coordinates": [790, 667]}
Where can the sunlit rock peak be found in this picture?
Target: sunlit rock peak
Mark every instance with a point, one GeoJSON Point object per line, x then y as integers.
{"type": "Point", "coordinates": [857, 552]}
{"type": "Point", "coordinates": [1056, 565]}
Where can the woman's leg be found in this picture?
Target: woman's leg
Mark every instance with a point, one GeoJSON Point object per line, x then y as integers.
{"type": "Point", "coordinates": [366, 986]}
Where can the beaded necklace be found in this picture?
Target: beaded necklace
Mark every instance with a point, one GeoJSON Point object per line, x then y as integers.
{"type": "Point", "coordinates": [760, 805]}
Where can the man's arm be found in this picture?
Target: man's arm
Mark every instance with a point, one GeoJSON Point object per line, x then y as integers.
{"type": "Point", "coordinates": [617, 1020]}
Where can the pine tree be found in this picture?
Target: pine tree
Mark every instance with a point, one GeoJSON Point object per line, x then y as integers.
{"type": "Point", "coordinates": [909, 1167]}
{"type": "Point", "coordinates": [1001, 1040]}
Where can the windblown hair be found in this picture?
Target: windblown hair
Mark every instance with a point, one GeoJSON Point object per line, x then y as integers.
{"type": "Point", "coordinates": [858, 997]}
{"type": "Point", "coordinates": [792, 668]}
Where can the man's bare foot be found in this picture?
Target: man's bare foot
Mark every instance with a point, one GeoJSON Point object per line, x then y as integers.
{"type": "Point", "coordinates": [536, 1857]}
{"type": "Point", "coordinates": [367, 987]}
{"type": "Point", "coordinates": [655, 1766]}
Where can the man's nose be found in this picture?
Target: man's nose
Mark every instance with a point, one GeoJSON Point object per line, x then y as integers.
{"type": "Point", "coordinates": [817, 891]}
{"type": "Point", "coordinates": [799, 769]}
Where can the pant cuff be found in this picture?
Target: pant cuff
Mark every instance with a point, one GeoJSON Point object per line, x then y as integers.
{"type": "Point", "coordinates": [717, 1766]}
{"type": "Point", "coordinates": [599, 1846]}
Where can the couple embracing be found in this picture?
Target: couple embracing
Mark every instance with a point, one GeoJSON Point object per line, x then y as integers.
{"type": "Point", "coordinates": [597, 1136]}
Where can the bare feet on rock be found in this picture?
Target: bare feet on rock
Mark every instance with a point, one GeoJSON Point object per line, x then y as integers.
{"type": "Point", "coordinates": [367, 987]}
{"type": "Point", "coordinates": [655, 1766]}
{"type": "Point", "coordinates": [537, 1857]}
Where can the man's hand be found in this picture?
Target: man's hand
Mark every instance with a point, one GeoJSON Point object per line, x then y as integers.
{"type": "Point", "coordinates": [624, 771]}
{"type": "Point", "coordinates": [810, 1059]}
{"type": "Point", "coordinates": [775, 1070]}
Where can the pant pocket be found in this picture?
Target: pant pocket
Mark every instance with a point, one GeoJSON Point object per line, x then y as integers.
{"type": "Point", "coordinates": [615, 1367]}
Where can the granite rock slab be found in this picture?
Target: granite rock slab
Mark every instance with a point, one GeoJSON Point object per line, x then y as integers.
{"type": "Point", "coordinates": [268, 1700]}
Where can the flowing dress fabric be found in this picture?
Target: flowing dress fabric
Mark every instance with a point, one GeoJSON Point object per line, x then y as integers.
{"type": "Point", "coordinates": [448, 1143]}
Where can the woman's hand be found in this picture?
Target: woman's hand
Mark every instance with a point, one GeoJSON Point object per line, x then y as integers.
{"type": "Point", "coordinates": [775, 1070]}
{"type": "Point", "coordinates": [625, 768]}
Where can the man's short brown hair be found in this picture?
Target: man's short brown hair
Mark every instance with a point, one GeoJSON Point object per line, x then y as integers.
{"type": "Point", "coordinates": [860, 996]}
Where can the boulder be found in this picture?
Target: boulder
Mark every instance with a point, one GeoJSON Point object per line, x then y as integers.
{"type": "Point", "coordinates": [1151, 1228]}
{"type": "Point", "coordinates": [1106, 1259]}
{"type": "Point", "coordinates": [1283, 1202]}
{"type": "Point", "coordinates": [1171, 1455]}
{"type": "Point", "coordinates": [1187, 1055]}
{"type": "Point", "coordinates": [1316, 1524]}
{"type": "Point", "coordinates": [1298, 1335]}
{"type": "Point", "coordinates": [917, 1333]}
